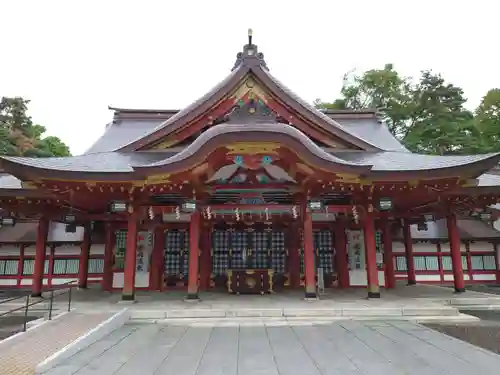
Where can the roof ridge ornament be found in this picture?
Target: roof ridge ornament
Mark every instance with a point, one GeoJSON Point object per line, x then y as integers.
{"type": "Point", "coordinates": [252, 112]}
{"type": "Point", "coordinates": [250, 55]}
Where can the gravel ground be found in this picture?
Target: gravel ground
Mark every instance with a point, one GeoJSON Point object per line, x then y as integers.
{"type": "Point", "coordinates": [485, 333]}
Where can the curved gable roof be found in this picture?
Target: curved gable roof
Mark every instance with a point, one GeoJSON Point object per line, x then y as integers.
{"type": "Point", "coordinates": [248, 63]}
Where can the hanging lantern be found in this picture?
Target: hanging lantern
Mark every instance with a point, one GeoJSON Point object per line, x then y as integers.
{"type": "Point", "coordinates": [295, 214]}
{"type": "Point", "coordinates": [177, 213]}
{"type": "Point", "coordinates": [237, 214]}
{"type": "Point", "coordinates": [208, 211]}
{"type": "Point", "coordinates": [151, 214]}
{"type": "Point", "coordinates": [267, 214]}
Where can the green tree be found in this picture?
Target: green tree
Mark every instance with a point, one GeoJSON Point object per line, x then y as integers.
{"type": "Point", "coordinates": [487, 120]}
{"type": "Point", "coordinates": [20, 136]}
{"type": "Point", "coordinates": [383, 89]}
{"type": "Point", "coordinates": [426, 115]}
{"type": "Point", "coordinates": [440, 124]}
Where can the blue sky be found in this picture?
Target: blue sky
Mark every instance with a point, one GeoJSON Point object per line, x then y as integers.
{"type": "Point", "coordinates": [73, 59]}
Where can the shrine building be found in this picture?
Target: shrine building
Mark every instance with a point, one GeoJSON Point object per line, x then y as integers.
{"type": "Point", "coordinates": [249, 189]}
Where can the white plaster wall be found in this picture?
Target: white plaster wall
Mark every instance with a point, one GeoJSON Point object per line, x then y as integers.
{"type": "Point", "coordinates": [10, 250]}
{"type": "Point", "coordinates": [420, 277]}
{"type": "Point", "coordinates": [67, 250]}
{"type": "Point", "coordinates": [141, 280]}
{"type": "Point", "coordinates": [8, 282]}
{"type": "Point", "coordinates": [97, 249]}
{"type": "Point", "coordinates": [31, 250]}
{"type": "Point", "coordinates": [424, 247]}
{"type": "Point", "coordinates": [381, 278]}
{"type": "Point", "coordinates": [59, 281]}
{"type": "Point", "coordinates": [481, 246]}
{"type": "Point", "coordinates": [484, 277]}
{"type": "Point", "coordinates": [398, 247]}
{"type": "Point", "coordinates": [357, 278]}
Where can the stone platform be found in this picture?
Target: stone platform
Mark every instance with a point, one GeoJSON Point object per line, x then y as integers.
{"type": "Point", "coordinates": [419, 302]}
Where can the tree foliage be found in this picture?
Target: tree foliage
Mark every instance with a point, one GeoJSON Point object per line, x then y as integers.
{"type": "Point", "coordinates": [427, 114]}
{"type": "Point", "coordinates": [19, 136]}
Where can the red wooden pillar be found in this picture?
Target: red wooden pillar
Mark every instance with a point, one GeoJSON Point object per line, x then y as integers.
{"type": "Point", "coordinates": [194, 250]}
{"type": "Point", "coordinates": [206, 257]}
{"type": "Point", "coordinates": [456, 256]}
{"type": "Point", "coordinates": [157, 261]}
{"type": "Point", "coordinates": [371, 256]}
{"type": "Point", "coordinates": [83, 270]}
{"type": "Point", "coordinates": [309, 266]}
{"type": "Point", "coordinates": [390, 276]}
{"type": "Point", "coordinates": [341, 254]}
{"type": "Point", "coordinates": [410, 262]}
{"type": "Point", "coordinates": [128, 293]}
{"type": "Point", "coordinates": [41, 248]}
{"type": "Point", "coordinates": [109, 244]}
{"type": "Point", "coordinates": [294, 255]}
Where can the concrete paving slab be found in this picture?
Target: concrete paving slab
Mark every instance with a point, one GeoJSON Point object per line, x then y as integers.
{"type": "Point", "coordinates": [195, 313]}
{"type": "Point", "coordinates": [347, 347]}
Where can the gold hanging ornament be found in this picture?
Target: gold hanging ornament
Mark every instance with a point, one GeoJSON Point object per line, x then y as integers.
{"type": "Point", "coordinates": [355, 214]}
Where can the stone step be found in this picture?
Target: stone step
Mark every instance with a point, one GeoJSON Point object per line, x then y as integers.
{"type": "Point", "coordinates": [478, 307]}
{"type": "Point", "coordinates": [471, 301]}
{"type": "Point", "coordinates": [296, 321]}
{"type": "Point", "coordinates": [389, 312]}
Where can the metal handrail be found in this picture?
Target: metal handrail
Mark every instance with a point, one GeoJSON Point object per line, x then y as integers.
{"type": "Point", "coordinates": [69, 286]}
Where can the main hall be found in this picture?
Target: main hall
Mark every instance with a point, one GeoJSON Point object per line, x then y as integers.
{"type": "Point", "coordinates": [249, 189]}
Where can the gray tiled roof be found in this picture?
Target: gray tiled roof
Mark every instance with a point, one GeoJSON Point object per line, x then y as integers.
{"type": "Point", "coordinates": [273, 128]}
{"type": "Point", "coordinates": [190, 108]}
{"type": "Point", "coordinates": [99, 162]}
{"type": "Point", "coordinates": [374, 132]}
{"type": "Point", "coordinates": [121, 132]}
{"type": "Point", "coordinates": [407, 161]}
{"type": "Point", "coordinates": [119, 162]}
{"type": "Point", "coordinates": [124, 131]}
{"type": "Point", "coordinates": [309, 107]}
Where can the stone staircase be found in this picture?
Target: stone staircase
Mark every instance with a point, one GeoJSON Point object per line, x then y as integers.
{"type": "Point", "coordinates": [472, 303]}
{"type": "Point", "coordinates": [289, 316]}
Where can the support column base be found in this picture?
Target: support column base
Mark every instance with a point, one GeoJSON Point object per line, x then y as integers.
{"type": "Point", "coordinates": [311, 295]}
{"type": "Point", "coordinates": [411, 282]}
{"type": "Point", "coordinates": [128, 297]}
{"type": "Point", "coordinates": [82, 287]}
{"type": "Point", "coordinates": [36, 294]}
{"type": "Point", "coordinates": [192, 297]}
{"type": "Point", "coordinates": [373, 294]}
{"type": "Point", "coordinates": [459, 290]}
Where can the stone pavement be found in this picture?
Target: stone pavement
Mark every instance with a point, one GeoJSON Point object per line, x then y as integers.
{"type": "Point", "coordinates": [399, 298]}
{"type": "Point", "coordinates": [348, 347]}
{"type": "Point", "coordinates": [22, 356]}
{"type": "Point", "coordinates": [403, 296]}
